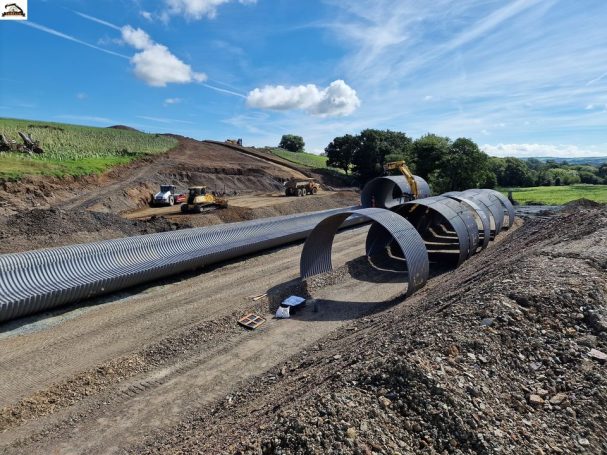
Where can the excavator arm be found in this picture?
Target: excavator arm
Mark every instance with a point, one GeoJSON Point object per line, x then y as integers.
{"type": "Point", "coordinates": [404, 169]}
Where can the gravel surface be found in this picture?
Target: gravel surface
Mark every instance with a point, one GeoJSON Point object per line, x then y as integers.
{"type": "Point", "coordinates": [506, 354]}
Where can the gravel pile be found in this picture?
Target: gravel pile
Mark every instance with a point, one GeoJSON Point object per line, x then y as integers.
{"type": "Point", "coordinates": [506, 354]}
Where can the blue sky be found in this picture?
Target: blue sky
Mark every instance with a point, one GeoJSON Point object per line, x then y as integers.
{"type": "Point", "coordinates": [521, 78]}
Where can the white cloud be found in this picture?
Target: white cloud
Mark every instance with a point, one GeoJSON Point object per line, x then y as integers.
{"type": "Point", "coordinates": [336, 99]}
{"type": "Point", "coordinates": [147, 15]}
{"type": "Point", "coordinates": [542, 150]}
{"type": "Point", "coordinates": [198, 9]}
{"type": "Point", "coordinates": [169, 101]}
{"type": "Point", "coordinates": [155, 64]}
{"type": "Point", "coordinates": [137, 38]}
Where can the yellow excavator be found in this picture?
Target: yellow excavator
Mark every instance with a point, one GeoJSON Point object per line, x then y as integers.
{"type": "Point", "coordinates": [402, 167]}
{"type": "Point", "coordinates": [200, 200]}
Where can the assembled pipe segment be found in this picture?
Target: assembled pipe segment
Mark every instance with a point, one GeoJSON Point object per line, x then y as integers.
{"type": "Point", "coordinates": [316, 253]}
{"type": "Point", "coordinates": [40, 280]}
{"type": "Point", "coordinates": [442, 225]}
{"type": "Point", "coordinates": [483, 217]}
{"type": "Point", "coordinates": [387, 192]}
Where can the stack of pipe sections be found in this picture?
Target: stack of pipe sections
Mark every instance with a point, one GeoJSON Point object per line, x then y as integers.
{"type": "Point", "coordinates": [40, 280]}
{"type": "Point", "coordinates": [445, 230]}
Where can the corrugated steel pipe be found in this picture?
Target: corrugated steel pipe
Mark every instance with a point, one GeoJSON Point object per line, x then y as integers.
{"type": "Point", "coordinates": [316, 253]}
{"type": "Point", "coordinates": [387, 192]}
{"type": "Point", "coordinates": [36, 281]}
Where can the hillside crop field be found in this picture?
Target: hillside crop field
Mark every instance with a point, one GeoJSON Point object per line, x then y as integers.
{"type": "Point", "coordinates": [305, 159]}
{"type": "Point", "coordinates": [75, 150]}
{"type": "Point", "coordinates": [558, 195]}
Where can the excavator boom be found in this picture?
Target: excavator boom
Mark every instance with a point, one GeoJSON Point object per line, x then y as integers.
{"type": "Point", "coordinates": [404, 169]}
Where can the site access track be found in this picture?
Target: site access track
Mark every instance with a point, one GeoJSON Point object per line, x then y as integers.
{"type": "Point", "coordinates": [100, 378]}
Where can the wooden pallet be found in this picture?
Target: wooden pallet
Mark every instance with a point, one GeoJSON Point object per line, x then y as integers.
{"type": "Point", "coordinates": [251, 321]}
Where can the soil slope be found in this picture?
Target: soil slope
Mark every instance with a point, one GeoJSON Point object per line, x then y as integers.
{"type": "Point", "coordinates": [504, 355]}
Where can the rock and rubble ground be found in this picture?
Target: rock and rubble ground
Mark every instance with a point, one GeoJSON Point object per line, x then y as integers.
{"type": "Point", "coordinates": [506, 354]}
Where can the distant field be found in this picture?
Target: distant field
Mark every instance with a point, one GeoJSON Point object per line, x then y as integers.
{"type": "Point", "coordinates": [305, 159]}
{"type": "Point", "coordinates": [558, 195]}
{"type": "Point", "coordinates": [75, 150]}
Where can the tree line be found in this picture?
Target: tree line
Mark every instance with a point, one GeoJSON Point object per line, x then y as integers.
{"type": "Point", "coordinates": [449, 165]}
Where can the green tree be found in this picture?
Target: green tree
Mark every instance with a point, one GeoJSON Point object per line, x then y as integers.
{"type": "Point", "coordinates": [374, 146]}
{"type": "Point", "coordinates": [341, 150]}
{"type": "Point", "coordinates": [292, 143]}
{"type": "Point", "coordinates": [427, 153]}
{"type": "Point", "coordinates": [464, 166]}
{"type": "Point", "coordinates": [516, 173]}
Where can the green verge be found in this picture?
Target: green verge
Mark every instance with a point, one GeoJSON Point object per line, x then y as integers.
{"type": "Point", "coordinates": [558, 195]}
{"type": "Point", "coordinates": [75, 150]}
{"type": "Point", "coordinates": [305, 159]}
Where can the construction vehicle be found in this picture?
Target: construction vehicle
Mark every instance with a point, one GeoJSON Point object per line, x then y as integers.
{"type": "Point", "coordinates": [234, 141]}
{"type": "Point", "coordinates": [200, 200]}
{"type": "Point", "coordinates": [168, 196]}
{"type": "Point", "coordinates": [402, 167]}
{"type": "Point", "coordinates": [300, 187]}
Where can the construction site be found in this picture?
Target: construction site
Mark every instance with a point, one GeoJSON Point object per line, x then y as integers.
{"type": "Point", "coordinates": [220, 299]}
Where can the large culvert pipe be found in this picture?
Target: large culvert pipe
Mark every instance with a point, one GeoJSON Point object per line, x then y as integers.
{"type": "Point", "coordinates": [40, 280]}
{"type": "Point", "coordinates": [390, 191]}
{"type": "Point", "coordinates": [316, 253]}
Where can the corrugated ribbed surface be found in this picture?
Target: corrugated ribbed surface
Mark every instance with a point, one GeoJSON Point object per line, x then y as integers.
{"type": "Point", "coordinates": [483, 215]}
{"type": "Point", "coordinates": [316, 254]}
{"type": "Point", "coordinates": [387, 192]}
{"type": "Point", "coordinates": [39, 280]}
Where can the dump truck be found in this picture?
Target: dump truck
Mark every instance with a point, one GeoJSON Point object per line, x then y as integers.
{"type": "Point", "coordinates": [167, 196]}
{"type": "Point", "coordinates": [300, 187]}
{"type": "Point", "coordinates": [200, 200]}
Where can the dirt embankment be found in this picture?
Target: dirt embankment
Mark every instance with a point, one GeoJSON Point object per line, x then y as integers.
{"type": "Point", "coordinates": [506, 354]}
{"type": "Point", "coordinates": [129, 187]}
{"type": "Point", "coordinates": [44, 228]}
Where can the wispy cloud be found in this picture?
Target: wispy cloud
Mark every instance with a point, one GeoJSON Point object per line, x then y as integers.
{"type": "Point", "coordinates": [97, 20]}
{"type": "Point", "coordinates": [543, 150]}
{"type": "Point", "coordinates": [70, 38]}
{"type": "Point", "coordinates": [223, 90]}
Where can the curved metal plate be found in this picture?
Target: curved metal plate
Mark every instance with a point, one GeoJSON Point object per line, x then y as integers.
{"type": "Point", "coordinates": [492, 203]}
{"type": "Point", "coordinates": [316, 254]}
{"type": "Point", "coordinates": [387, 192]}
{"type": "Point", "coordinates": [440, 225]}
{"type": "Point", "coordinates": [483, 217]}
{"type": "Point", "coordinates": [508, 207]}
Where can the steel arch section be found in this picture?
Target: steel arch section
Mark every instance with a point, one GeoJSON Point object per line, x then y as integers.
{"type": "Point", "coordinates": [389, 191]}
{"type": "Point", "coordinates": [316, 253]}
{"type": "Point", "coordinates": [508, 207]}
{"type": "Point", "coordinates": [492, 204]}
{"type": "Point", "coordinates": [441, 227]}
{"type": "Point", "coordinates": [483, 214]}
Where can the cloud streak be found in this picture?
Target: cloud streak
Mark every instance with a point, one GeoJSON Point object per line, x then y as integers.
{"type": "Point", "coordinates": [70, 38]}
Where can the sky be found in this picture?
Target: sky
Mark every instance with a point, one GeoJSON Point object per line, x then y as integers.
{"type": "Point", "coordinates": [520, 78]}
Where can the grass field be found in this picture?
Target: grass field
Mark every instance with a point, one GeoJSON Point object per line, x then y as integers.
{"type": "Point", "coordinates": [305, 159]}
{"type": "Point", "coordinates": [558, 195]}
{"type": "Point", "coordinates": [75, 150]}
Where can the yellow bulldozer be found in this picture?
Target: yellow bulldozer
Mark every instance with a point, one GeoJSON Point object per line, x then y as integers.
{"type": "Point", "coordinates": [402, 167]}
{"type": "Point", "coordinates": [200, 200]}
